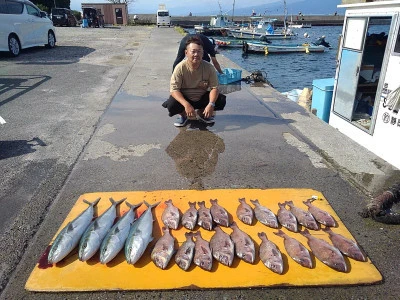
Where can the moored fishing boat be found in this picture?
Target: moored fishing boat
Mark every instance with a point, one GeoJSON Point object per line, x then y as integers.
{"type": "Point", "coordinates": [250, 47]}
{"type": "Point", "coordinates": [264, 29]}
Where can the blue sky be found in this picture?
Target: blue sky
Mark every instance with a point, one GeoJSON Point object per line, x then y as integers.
{"type": "Point", "coordinates": [183, 7]}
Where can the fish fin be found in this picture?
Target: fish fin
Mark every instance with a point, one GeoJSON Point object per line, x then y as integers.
{"type": "Point", "coordinates": [205, 251]}
{"type": "Point", "coordinates": [70, 227]}
{"type": "Point", "coordinates": [96, 225]}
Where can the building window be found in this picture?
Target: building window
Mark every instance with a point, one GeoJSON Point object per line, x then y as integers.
{"type": "Point", "coordinates": [397, 46]}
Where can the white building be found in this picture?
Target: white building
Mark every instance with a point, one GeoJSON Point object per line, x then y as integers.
{"type": "Point", "coordinates": [366, 97]}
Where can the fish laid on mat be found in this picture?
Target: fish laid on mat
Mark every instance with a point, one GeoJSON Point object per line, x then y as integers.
{"type": "Point", "coordinates": [189, 218]}
{"type": "Point", "coordinates": [171, 215]}
{"type": "Point", "coordinates": [348, 247]}
{"type": "Point", "coordinates": [140, 235]}
{"type": "Point", "coordinates": [244, 212]}
{"type": "Point", "coordinates": [244, 245]}
{"type": "Point", "coordinates": [202, 253]}
{"type": "Point", "coordinates": [286, 218]}
{"type": "Point", "coordinates": [304, 217]}
{"type": "Point", "coordinates": [270, 254]}
{"type": "Point", "coordinates": [184, 255]}
{"type": "Point", "coordinates": [69, 236]}
{"type": "Point", "coordinates": [325, 252]}
{"type": "Point", "coordinates": [218, 213]}
{"type": "Point", "coordinates": [97, 230]}
{"type": "Point", "coordinates": [264, 215]}
{"type": "Point", "coordinates": [296, 250]}
{"type": "Point", "coordinates": [320, 215]}
{"type": "Point", "coordinates": [204, 219]}
{"type": "Point", "coordinates": [163, 249]}
{"type": "Point", "coordinates": [115, 239]}
{"type": "Point", "coordinates": [222, 247]}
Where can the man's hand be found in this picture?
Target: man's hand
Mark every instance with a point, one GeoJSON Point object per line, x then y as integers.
{"type": "Point", "coordinates": [208, 111]}
{"type": "Point", "coordinates": [190, 112]}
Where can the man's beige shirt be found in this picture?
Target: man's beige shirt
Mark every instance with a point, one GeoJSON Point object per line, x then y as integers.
{"type": "Point", "coordinates": [193, 83]}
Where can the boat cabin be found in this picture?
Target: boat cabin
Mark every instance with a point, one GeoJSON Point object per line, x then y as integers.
{"type": "Point", "coordinates": [220, 21]}
{"type": "Point", "coordinates": [366, 97]}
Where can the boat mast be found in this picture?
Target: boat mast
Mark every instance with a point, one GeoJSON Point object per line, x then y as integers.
{"type": "Point", "coordinates": [233, 11]}
{"type": "Point", "coordinates": [284, 14]}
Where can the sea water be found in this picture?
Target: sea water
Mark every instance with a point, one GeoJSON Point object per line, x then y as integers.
{"type": "Point", "coordinates": [289, 71]}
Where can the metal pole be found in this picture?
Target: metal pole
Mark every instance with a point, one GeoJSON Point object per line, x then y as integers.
{"type": "Point", "coordinates": [55, 6]}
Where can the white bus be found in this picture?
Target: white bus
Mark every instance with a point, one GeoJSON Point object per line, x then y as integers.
{"type": "Point", "coordinates": [163, 17]}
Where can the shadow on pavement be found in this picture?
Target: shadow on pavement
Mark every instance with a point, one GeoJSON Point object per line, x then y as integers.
{"type": "Point", "coordinates": [13, 86]}
{"type": "Point", "coordinates": [60, 55]}
{"type": "Point", "coordinates": [19, 147]}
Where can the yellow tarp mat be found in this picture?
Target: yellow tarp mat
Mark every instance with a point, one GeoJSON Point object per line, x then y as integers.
{"type": "Point", "coordinates": [74, 275]}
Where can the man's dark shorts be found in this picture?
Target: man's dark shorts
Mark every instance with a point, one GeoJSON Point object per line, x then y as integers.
{"type": "Point", "coordinates": [174, 107]}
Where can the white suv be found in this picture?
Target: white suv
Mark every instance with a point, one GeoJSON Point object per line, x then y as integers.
{"type": "Point", "coordinates": [23, 25]}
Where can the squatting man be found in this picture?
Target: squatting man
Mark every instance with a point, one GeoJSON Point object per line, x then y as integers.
{"type": "Point", "coordinates": [194, 86]}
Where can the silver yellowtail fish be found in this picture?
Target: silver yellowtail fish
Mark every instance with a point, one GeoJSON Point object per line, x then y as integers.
{"type": "Point", "coordinates": [140, 235]}
{"type": "Point", "coordinates": [116, 237]}
{"type": "Point", "coordinates": [69, 236]}
{"type": "Point", "coordinates": [97, 230]}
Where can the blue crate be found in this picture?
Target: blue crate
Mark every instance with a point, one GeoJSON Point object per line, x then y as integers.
{"type": "Point", "coordinates": [229, 76]}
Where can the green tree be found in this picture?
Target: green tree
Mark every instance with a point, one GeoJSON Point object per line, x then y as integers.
{"type": "Point", "coordinates": [42, 7]}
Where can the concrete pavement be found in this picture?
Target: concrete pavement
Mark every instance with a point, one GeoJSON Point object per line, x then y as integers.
{"type": "Point", "coordinates": [264, 141]}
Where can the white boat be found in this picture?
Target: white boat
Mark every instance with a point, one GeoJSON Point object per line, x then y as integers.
{"type": "Point", "coordinates": [264, 28]}
{"type": "Point", "coordinates": [293, 25]}
{"type": "Point", "coordinates": [250, 47]}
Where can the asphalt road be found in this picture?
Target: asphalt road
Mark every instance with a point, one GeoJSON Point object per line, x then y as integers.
{"type": "Point", "coordinates": [73, 136]}
{"type": "Point", "coordinates": [52, 101]}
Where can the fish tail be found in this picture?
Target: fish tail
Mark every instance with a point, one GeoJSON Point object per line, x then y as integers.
{"type": "Point", "coordinates": [189, 235]}
{"type": "Point", "coordinates": [255, 202]}
{"type": "Point", "coordinates": [262, 235]}
{"type": "Point", "coordinates": [213, 201]}
{"type": "Point", "coordinates": [202, 203]}
{"type": "Point", "coordinates": [307, 202]}
{"type": "Point", "coordinates": [326, 229]}
{"type": "Point", "coordinates": [113, 202]}
{"type": "Point", "coordinates": [233, 224]}
{"type": "Point", "coordinates": [133, 206]}
{"type": "Point", "coordinates": [169, 201]}
{"type": "Point", "coordinates": [151, 205]}
{"type": "Point", "coordinates": [192, 204]}
{"type": "Point", "coordinates": [280, 233]}
{"type": "Point", "coordinates": [94, 203]}
{"type": "Point", "coordinates": [305, 232]}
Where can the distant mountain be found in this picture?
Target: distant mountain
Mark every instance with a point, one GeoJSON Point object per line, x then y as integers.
{"type": "Point", "coordinates": [306, 7]}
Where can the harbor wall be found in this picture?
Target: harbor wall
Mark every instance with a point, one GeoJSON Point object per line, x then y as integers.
{"type": "Point", "coordinates": [190, 21]}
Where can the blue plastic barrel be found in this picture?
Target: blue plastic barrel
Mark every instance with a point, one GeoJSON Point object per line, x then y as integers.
{"type": "Point", "coordinates": [322, 97]}
{"type": "Point", "coordinates": [85, 23]}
